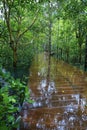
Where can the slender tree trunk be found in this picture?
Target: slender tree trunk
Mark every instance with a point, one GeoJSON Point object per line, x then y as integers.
{"type": "Point", "coordinates": [85, 65]}
{"type": "Point", "coordinates": [58, 40]}
{"type": "Point", "coordinates": [48, 73]}
{"type": "Point", "coordinates": [50, 30]}
{"type": "Point", "coordinates": [61, 53]}
{"type": "Point", "coordinates": [14, 46]}
{"type": "Point", "coordinates": [15, 57]}
{"type": "Point", "coordinates": [50, 25]}
{"type": "Point", "coordinates": [80, 54]}
{"type": "Point", "coordinates": [57, 52]}
{"type": "Point", "coordinates": [67, 56]}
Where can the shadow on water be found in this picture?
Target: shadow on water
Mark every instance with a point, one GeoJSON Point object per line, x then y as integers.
{"type": "Point", "coordinates": [21, 73]}
{"type": "Point", "coordinates": [60, 97]}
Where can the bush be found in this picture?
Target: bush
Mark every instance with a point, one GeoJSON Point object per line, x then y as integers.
{"type": "Point", "coordinates": [12, 95]}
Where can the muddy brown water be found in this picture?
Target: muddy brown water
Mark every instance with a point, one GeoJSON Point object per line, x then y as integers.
{"type": "Point", "coordinates": [59, 91]}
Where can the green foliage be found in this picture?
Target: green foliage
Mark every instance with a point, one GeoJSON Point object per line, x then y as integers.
{"type": "Point", "coordinates": [68, 20]}
{"type": "Point", "coordinates": [6, 57]}
{"type": "Point", "coordinates": [25, 55]}
{"type": "Point", "coordinates": [12, 95]}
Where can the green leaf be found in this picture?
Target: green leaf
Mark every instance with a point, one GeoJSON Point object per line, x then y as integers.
{"type": "Point", "coordinates": [11, 99]}
{"type": "Point", "coordinates": [3, 127]}
{"type": "Point", "coordinates": [11, 118]}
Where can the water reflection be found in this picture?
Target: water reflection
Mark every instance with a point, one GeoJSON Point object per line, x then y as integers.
{"type": "Point", "coordinates": [46, 88]}
{"type": "Point", "coordinates": [59, 94]}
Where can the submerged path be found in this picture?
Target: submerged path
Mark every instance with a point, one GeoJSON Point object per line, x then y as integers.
{"type": "Point", "coordinates": [59, 92]}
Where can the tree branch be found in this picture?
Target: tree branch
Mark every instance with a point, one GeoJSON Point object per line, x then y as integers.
{"type": "Point", "coordinates": [33, 21]}
{"type": "Point", "coordinates": [7, 18]}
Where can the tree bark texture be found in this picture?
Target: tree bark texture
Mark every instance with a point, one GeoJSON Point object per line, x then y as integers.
{"type": "Point", "coordinates": [85, 65]}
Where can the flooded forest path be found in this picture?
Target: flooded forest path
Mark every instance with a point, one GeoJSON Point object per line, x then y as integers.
{"type": "Point", "coordinates": [59, 91]}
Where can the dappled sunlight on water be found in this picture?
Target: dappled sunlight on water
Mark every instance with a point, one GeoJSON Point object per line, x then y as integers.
{"type": "Point", "coordinates": [60, 96]}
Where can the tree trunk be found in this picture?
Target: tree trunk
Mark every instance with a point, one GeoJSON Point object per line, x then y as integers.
{"type": "Point", "coordinates": [50, 30]}
{"type": "Point", "coordinates": [85, 65]}
{"type": "Point", "coordinates": [15, 57]}
{"type": "Point", "coordinates": [61, 53]}
{"type": "Point", "coordinates": [50, 25]}
{"type": "Point", "coordinates": [80, 55]}
{"type": "Point", "coordinates": [48, 72]}
{"type": "Point", "coordinates": [57, 52]}
{"type": "Point", "coordinates": [67, 56]}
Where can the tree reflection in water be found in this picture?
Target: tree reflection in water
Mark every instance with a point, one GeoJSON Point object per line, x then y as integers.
{"type": "Point", "coordinates": [59, 99]}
